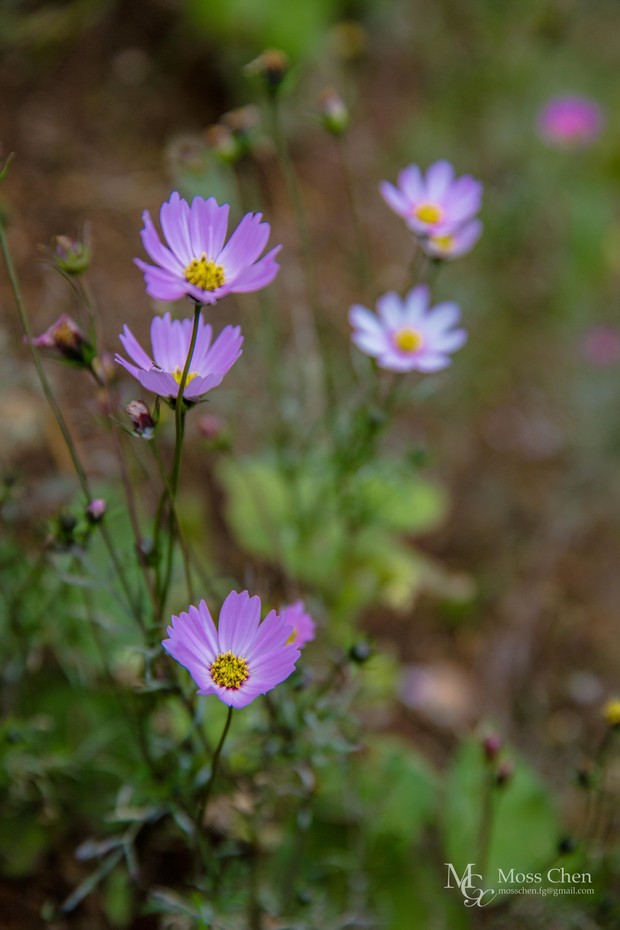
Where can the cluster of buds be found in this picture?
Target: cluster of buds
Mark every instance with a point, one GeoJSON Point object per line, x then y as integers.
{"type": "Point", "coordinates": [68, 531]}
{"type": "Point", "coordinates": [491, 747]}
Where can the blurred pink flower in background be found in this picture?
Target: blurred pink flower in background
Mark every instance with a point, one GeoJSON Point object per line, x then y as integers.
{"type": "Point", "coordinates": [434, 203]}
{"type": "Point", "coordinates": [570, 122]}
{"type": "Point", "coordinates": [303, 625]}
{"type": "Point", "coordinates": [601, 346]}
{"type": "Point", "coordinates": [407, 334]}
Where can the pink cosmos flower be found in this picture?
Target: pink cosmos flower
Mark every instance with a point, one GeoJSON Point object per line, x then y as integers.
{"type": "Point", "coordinates": [240, 659]}
{"type": "Point", "coordinates": [601, 346]}
{"type": "Point", "coordinates": [302, 623]}
{"type": "Point", "coordinates": [450, 245]}
{"type": "Point", "coordinates": [408, 335]}
{"type": "Point", "coordinates": [435, 203]}
{"type": "Point", "coordinates": [196, 263]}
{"type": "Point", "coordinates": [171, 340]}
{"type": "Point", "coordinates": [570, 122]}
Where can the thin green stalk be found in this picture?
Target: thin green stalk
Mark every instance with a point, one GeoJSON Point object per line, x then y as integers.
{"type": "Point", "coordinates": [362, 250]}
{"type": "Point", "coordinates": [203, 800]}
{"type": "Point", "coordinates": [306, 325]}
{"type": "Point", "coordinates": [179, 421]}
{"type": "Point", "coordinates": [487, 811]}
{"type": "Point", "coordinates": [60, 420]}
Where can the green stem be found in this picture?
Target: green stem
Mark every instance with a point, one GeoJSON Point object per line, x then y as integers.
{"type": "Point", "coordinates": [179, 421]}
{"type": "Point", "coordinates": [306, 325]}
{"type": "Point", "coordinates": [361, 240]}
{"type": "Point", "coordinates": [204, 800]}
{"type": "Point", "coordinates": [487, 811]}
{"type": "Point", "coordinates": [62, 425]}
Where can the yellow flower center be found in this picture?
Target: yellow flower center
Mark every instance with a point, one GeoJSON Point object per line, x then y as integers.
{"type": "Point", "coordinates": [445, 243]}
{"type": "Point", "coordinates": [292, 637]}
{"type": "Point", "coordinates": [408, 340]}
{"type": "Point", "coordinates": [428, 213]}
{"type": "Point", "coordinates": [204, 273]}
{"type": "Point", "coordinates": [611, 712]}
{"type": "Point", "coordinates": [177, 374]}
{"type": "Point", "coordinates": [229, 671]}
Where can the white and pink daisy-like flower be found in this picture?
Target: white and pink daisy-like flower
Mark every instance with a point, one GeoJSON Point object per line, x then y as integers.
{"type": "Point", "coordinates": [170, 341]}
{"type": "Point", "coordinates": [303, 625]}
{"type": "Point", "coordinates": [195, 262]}
{"type": "Point", "coordinates": [450, 245]}
{"type": "Point", "coordinates": [408, 334]}
{"type": "Point", "coordinates": [434, 203]}
{"type": "Point", "coordinates": [570, 122]}
{"type": "Point", "coordinates": [241, 658]}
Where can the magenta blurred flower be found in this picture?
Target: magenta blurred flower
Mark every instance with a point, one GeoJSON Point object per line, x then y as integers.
{"type": "Point", "coordinates": [171, 340]}
{"type": "Point", "coordinates": [95, 511]}
{"type": "Point", "coordinates": [196, 263]}
{"type": "Point", "coordinates": [435, 203]}
{"type": "Point", "coordinates": [303, 625]}
{"type": "Point", "coordinates": [450, 245]}
{"type": "Point", "coordinates": [601, 346]}
{"type": "Point", "coordinates": [240, 659]}
{"type": "Point", "coordinates": [407, 334]}
{"type": "Point", "coordinates": [570, 122]}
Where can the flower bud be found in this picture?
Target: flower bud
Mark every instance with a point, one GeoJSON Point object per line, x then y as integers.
{"type": "Point", "coordinates": [96, 510]}
{"type": "Point", "coordinates": [334, 112]}
{"type": "Point", "coordinates": [66, 338]}
{"type": "Point", "coordinates": [223, 142]}
{"type": "Point", "coordinates": [72, 255]}
{"type": "Point", "coordinates": [566, 846]}
{"type": "Point", "coordinates": [142, 422]}
{"type": "Point", "coordinates": [360, 652]}
{"type": "Point", "coordinates": [491, 746]}
{"type": "Point", "coordinates": [504, 773]}
{"type": "Point", "coordinates": [272, 66]}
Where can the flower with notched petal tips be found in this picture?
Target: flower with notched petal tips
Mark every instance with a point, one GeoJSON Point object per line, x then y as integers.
{"type": "Point", "coordinates": [195, 262]}
{"type": "Point", "coordinates": [171, 341]}
{"type": "Point", "coordinates": [241, 658]}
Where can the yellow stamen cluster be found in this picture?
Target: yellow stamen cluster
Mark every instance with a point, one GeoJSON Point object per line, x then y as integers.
{"type": "Point", "coordinates": [177, 374]}
{"type": "Point", "coordinates": [292, 637]}
{"type": "Point", "coordinates": [229, 671]}
{"type": "Point", "coordinates": [408, 340]}
{"type": "Point", "coordinates": [445, 243]}
{"type": "Point", "coordinates": [428, 213]}
{"type": "Point", "coordinates": [204, 273]}
{"type": "Point", "coordinates": [611, 712]}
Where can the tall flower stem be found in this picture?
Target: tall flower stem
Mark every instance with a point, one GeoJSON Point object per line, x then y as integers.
{"type": "Point", "coordinates": [206, 794]}
{"type": "Point", "coordinates": [487, 812]}
{"type": "Point", "coordinates": [132, 604]}
{"type": "Point", "coordinates": [307, 326]}
{"type": "Point", "coordinates": [362, 251]}
{"type": "Point", "coordinates": [179, 422]}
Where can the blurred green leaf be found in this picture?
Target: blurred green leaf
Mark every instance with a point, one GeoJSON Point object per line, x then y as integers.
{"type": "Point", "coordinates": [525, 827]}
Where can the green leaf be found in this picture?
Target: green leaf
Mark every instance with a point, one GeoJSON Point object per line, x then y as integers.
{"type": "Point", "coordinates": [524, 830]}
